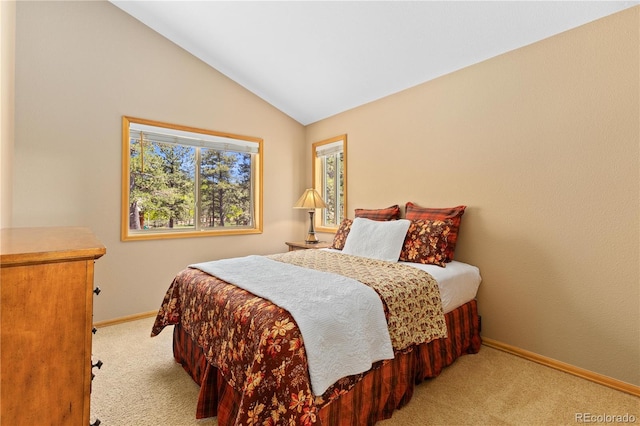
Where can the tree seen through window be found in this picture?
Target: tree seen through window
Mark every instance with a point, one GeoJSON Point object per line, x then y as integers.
{"type": "Point", "coordinates": [180, 183]}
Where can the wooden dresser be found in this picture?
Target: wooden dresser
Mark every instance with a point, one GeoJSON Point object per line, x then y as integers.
{"type": "Point", "coordinates": [46, 313]}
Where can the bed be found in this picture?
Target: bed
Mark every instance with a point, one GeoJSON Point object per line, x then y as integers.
{"type": "Point", "coordinates": [254, 366]}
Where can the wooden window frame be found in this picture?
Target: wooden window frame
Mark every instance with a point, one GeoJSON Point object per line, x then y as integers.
{"type": "Point", "coordinates": [128, 234]}
{"type": "Point", "coordinates": [318, 182]}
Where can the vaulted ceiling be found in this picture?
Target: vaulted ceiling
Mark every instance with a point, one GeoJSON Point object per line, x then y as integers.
{"type": "Point", "coordinates": [314, 59]}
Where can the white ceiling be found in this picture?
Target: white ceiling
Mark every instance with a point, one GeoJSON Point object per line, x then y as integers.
{"type": "Point", "coordinates": [314, 59]}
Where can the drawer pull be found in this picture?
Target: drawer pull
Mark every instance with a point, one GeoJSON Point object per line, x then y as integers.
{"type": "Point", "coordinates": [96, 423]}
{"type": "Point", "coordinates": [97, 291]}
{"type": "Point", "coordinates": [94, 330]}
{"type": "Point", "coordinates": [97, 364]}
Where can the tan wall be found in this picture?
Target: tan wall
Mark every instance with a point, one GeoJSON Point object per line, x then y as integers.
{"type": "Point", "coordinates": [81, 66]}
{"type": "Point", "coordinates": [542, 144]}
{"type": "Point", "coordinates": [7, 82]}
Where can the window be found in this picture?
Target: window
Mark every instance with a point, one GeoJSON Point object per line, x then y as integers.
{"type": "Point", "coordinates": [329, 166]}
{"type": "Point", "coordinates": [182, 182]}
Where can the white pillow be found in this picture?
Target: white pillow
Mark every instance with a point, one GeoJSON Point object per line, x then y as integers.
{"type": "Point", "coordinates": [376, 239]}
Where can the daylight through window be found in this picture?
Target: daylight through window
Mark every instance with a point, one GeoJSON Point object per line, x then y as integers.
{"type": "Point", "coordinates": [186, 182]}
{"type": "Point", "coordinates": [329, 173]}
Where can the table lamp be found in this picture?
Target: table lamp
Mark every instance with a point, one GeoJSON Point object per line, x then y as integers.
{"type": "Point", "coordinates": [310, 200]}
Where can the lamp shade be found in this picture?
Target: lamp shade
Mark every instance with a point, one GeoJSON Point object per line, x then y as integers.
{"type": "Point", "coordinates": [310, 200]}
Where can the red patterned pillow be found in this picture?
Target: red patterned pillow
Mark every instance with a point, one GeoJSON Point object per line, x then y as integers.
{"type": "Point", "coordinates": [415, 212]}
{"type": "Point", "coordinates": [390, 213]}
{"type": "Point", "coordinates": [341, 235]}
{"type": "Point", "coordinates": [426, 242]}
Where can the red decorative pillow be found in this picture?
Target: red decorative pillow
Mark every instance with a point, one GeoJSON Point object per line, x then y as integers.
{"type": "Point", "coordinates": [390, 213]}
{"type": "Point", "coordinates": [341, 235]}
{"type": "Point", "coordinates": [426, 242]}
{"type": "Point", "coordinates": [415, 212]}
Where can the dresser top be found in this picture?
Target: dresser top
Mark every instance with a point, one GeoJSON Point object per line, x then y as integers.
{"type": "Point", "coordinates": [48, 244]}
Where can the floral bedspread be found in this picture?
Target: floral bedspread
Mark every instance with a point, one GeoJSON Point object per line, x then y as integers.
{"type": "Point", "coordinates": [257, 346]}
{"type": "Point", "coordinates": [404, 291]}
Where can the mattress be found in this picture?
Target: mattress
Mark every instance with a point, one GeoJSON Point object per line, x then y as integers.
{"type": "Point", "coordinates": [458, 281]}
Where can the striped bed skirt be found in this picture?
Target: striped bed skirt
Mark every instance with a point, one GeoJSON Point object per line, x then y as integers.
{"type": "Point", "coordinates": [389, 385]}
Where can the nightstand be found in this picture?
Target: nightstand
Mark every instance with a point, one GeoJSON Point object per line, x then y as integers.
{"type": "Point", "coordinates": [301, 245]}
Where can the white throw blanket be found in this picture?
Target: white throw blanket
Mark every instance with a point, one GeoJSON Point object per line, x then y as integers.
{"type": "Point", "coordinates": [341, 320]}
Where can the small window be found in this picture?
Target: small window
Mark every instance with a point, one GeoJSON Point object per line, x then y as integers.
{"type": "Point", "coordinates": [183, 182]}
{"type": "Point", "coordinates": [330, 180]}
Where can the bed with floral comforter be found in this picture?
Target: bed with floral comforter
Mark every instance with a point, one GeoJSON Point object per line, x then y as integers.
{"type": "Point", "coordinates": [249, 357]}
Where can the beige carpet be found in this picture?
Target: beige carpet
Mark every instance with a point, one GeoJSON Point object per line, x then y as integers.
{"type": "Point", "coordinates": [140, 384]}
